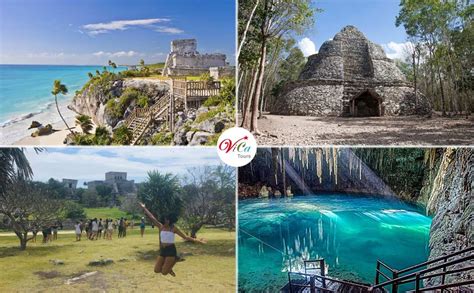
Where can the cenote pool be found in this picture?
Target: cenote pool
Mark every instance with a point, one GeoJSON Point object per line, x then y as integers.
{"type": "Point", "coordinates": [349, 232]}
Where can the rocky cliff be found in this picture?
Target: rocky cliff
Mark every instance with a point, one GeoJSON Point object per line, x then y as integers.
{"type": "Point", "coordinates": [451, 202]}
{"type": "Point", "coordinates": [92, 100]}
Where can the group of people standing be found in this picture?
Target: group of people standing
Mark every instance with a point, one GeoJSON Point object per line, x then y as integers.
{"type": "Point", "coordinates": [104, 228]}
{"type": "Point", "coordinates": [50, 232]}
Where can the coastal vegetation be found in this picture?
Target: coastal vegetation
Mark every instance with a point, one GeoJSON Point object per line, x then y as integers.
{"type": "Point", "coordinates": [110, 98]}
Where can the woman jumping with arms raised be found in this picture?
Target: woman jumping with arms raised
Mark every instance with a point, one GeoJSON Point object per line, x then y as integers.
{"type": "Point", "coordinates": [168, 255]}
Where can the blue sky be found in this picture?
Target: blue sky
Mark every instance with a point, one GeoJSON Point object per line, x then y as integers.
{"type": "Point", "coordinates": [94, 31]}
{"type": "Point", "coordinates": [90, 163]}
{"type": "Point", "coordinates": [375, 18]}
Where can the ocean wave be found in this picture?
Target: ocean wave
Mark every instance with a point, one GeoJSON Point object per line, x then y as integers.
{"type": "Point", "coordinates": [46, 107]}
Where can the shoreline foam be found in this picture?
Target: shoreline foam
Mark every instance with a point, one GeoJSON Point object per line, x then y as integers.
{"type": "Point", "coordinates": [16, 132]}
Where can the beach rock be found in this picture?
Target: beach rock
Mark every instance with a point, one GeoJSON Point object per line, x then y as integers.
{"type": "Point", "coordinates": [34, 124]}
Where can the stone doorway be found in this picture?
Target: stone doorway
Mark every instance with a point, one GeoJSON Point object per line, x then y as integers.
{"type": "Point", "coordinates": [366, 104]}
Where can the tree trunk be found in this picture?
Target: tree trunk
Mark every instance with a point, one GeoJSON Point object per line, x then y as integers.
{"type": "Point", "coordinates": [23, 239]}
{"type": "Point", "coordinates": [59, 112]}
{"type": "Point", "coordinates": [244, 35]}
{"type": "Point", "coordinates": [258, 88]}
{"type": "Point", "coordinates": [414, 77]}
{"type": "Point", "coordinates": [443, 106]}
{"type": "Point", "coordinates": [247, 105]}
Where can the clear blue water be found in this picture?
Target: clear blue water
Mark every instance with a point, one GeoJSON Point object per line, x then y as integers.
{"type": "Point", "coordinates": [349, 232]}
{"type": "Point", "coordinates": [26, 89]}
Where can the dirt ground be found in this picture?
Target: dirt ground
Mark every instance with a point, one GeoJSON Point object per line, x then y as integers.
{"type": "Point", "coordinates": [400, 131]}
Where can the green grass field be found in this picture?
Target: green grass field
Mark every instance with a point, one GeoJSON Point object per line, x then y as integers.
{"type": "Point", "coordinates": [103, 213]}
{"type": "Point", "coordinates": [207, 268]}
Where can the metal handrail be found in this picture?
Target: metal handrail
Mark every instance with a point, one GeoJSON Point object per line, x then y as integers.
{"type": "Point", "coordinates": [416, 275]}
{"type": "Point", "coordinates": [332, 279]}
{"type": "Point", "coordinates": [436, 260]}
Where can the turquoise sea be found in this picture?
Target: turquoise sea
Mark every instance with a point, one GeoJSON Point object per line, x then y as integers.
{"type": "Point", "coordinates": [349, 232]}
{"type": "Point", "coordinates": [25, 90]}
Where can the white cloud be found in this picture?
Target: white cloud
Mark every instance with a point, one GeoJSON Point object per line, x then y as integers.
{"type": "Point", "coordinates": [168, 30]}
{"type": "Point", "coordinates": [307, 47]}
{"type": "Point", "coordinates": [95, 29]}
{"type": "Point", "coordinates": [397, 50]}
{"type": "Point", "coordinates": [100, 28]}
{"type": "Point", "coordinates": [117, 54]}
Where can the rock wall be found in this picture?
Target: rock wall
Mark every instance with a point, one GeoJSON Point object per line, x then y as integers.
{"type": "Point", "coordinates": [451, 201]}
{"type": "Point", "coordinates": [333, 97]}
{"type": "Point", "coordinates": [222, 71]}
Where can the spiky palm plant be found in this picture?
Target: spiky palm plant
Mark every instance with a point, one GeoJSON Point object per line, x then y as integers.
{"type": "Point", "coordinates": [59, 88]}
{"type": "Point", "coordinates": [85, 123]}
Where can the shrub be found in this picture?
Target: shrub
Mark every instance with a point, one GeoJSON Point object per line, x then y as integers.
{"type": "Point", "coordinates": [73, 210]}
{"type": "Point", "coordinates": [206, 77]}
{"type": "Point", "coordinates": [122, 136]}
{"type": "Point", "coordinates": [209, 114]}
{"type": "Point", "coordinates": [226, 95]}
{"type": "Point", "coordinates": [162, 138]}
{"type": "Point", "coordinates": [117, 108]}
{"type": "Point", "coordinates": [143, 101]}
{"type": "Point", "coordinates": [101, 136]}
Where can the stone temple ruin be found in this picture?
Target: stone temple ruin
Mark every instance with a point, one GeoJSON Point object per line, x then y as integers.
{"type": "Point", "coordinates": [350, 76]}
{"type": "Point", "coordinates": [184, 59]}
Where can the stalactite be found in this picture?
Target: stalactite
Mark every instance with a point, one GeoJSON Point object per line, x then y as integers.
{"type": "Point", "coordinates": [334, 158]}
{"type": "Point", "coordinates": [319, 166]}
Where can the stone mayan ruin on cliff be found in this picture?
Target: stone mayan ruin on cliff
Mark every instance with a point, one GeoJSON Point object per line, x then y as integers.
{"type": "Point", "coordinates": [350, 76]}
{"type": "Point", "coordinates": [184, 59]}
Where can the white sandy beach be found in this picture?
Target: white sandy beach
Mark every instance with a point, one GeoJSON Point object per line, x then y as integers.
{"type": "Point", "coordinates": [19, 134]}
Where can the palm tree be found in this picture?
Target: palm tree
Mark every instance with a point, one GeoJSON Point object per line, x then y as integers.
{"type": "Point", "coordinates": [101, 136]}
{"type": "Point", "coordinates": [85, 123]}
{"type": "Point", "coordinates": [59, 88]}
{"type": "Point", "coordinates": [112, 64]}
{"type": "Point", "coordinates": [91, 76]}
{"type": "Point", "coordinates": [13, 164]}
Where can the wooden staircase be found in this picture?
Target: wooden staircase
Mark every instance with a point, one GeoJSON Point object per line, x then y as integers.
{"type": "Point", "coordinates": [141, 118]}
{"type": "Point", "coordinates": [183, 93]}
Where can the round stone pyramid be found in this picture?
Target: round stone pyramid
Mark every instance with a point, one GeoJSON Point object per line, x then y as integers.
{"type": "Point", "coordinates": [350, 76]}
